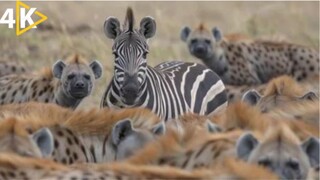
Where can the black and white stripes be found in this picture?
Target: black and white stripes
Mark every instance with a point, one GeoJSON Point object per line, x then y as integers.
{"type": "Point", "coordinates": [170, 89]}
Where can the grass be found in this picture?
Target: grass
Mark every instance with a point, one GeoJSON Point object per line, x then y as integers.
{"type": "Point", "coordinates": [77, 27]}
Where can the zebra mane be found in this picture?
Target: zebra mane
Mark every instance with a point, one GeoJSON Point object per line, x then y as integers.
{"type": "Point", "coordinates": [129, 20]}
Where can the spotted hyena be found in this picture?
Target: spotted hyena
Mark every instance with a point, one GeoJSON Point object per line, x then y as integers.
{"type": "Point", "coordinates": [7, 68]}
{"type": "Point", "coordinates": [240, 62]}
{"type": "Point", "coordinates": [66, 84]}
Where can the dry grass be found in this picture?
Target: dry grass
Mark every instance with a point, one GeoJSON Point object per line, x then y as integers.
{"type": "Point", "coordinates": [77, 27]}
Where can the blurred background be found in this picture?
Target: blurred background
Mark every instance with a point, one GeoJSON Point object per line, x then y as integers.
{"type": "Point", "coordinates": [76, 27]}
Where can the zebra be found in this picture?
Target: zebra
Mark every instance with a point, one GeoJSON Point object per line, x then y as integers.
{"type": "Point", "coordinates": [170, 89]}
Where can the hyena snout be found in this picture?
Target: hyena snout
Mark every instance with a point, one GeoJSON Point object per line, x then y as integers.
{"type": "Point", "coordinates": [200, 50]}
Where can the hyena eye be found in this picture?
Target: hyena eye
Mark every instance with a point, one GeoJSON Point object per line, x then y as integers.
{"type": "Point", "coordinates": [207, 41]}
{"type": "Point", "coordinates": [293, 164]}
{"type": "Point", "coordinates": [193, 41]}
{"type": "Point", "coordinates": [265, 162]}
{"type": "Point", "coordinates": [71, 76]}
{"type": "Point", "coordinates": [86, 76]}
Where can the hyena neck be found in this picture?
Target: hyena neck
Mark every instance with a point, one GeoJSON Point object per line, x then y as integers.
{"type": "Point", "coordinates": [65, 100]}
{"type": "Point", "coordinates": [217, 61]}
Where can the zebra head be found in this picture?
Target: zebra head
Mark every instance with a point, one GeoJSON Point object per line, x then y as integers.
{"type": "Point", "coordinates": [130, 49]}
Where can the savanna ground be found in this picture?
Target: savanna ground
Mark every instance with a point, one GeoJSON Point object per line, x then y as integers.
{"type": "Point", "coordinates": [77, 27]}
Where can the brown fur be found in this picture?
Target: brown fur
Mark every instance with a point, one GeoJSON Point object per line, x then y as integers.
{"type": "Point", "coordinates": [235, 93]}
{"type": "Point", "coordinates": [182, 150]}
{"type": "Point", "coordinates": [235, 169]}
{"type": "Point", "coordinates": [11, 126]}
{"type": "Point", "coordinates": [21, 167]}
{"type": "Point", "coordinates": [281, 92]}
{"type": "Point", "coordinates": [283, 85]}
{"type": "Point", "coordinates": [188, 121]}
{"type": "Point", "coordinates": [93, 121]}
{"type": "Point", "coordinates": [307, 111]}
{"type": "Point", "coordinates": [243, 116]}
{"type": "Point", "coordinates": [53, 111]}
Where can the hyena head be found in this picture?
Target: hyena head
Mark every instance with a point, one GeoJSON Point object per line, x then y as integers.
{"type": "Point", "coordinates": [281, 152]}
{"type": "Point", "coordinates": [130, 50]}
{"type": "Point", "coordinates": [272, 101]}
{"type": "Point", "coordinates": [129, 140]}
{"type": "Point", "coordinates": [76, 76]}
{"type": "Point", "coordinates": [15, 138]}
{"type": "Point", "coordinates": [202, 43]}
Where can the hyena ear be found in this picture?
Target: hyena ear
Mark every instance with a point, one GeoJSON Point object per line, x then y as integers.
{"type": "Point", "coordinates": [184, 34]}
{"type": "Point", "coordinates": [44, 140]}
{"type": "Point", "coordinates": [148, 27]}
{"type": "Point", "coordinates": [57, 69]}
{"type": "Point", "coordinates": [252, 97]}
{"type": "Point", "coordinates": [310, 96]}
{"type": "Point", "coordinates": [112, 27]}
{"type": "Point", "coordinates": [159, 129]}
{"type": "Point", "coordinates": [311, 147]}
{"type": "Point", "coordinates": [96, 68]}
{"type": "Point", "coordinates": [217, 34]}
{"type": "Point", "coordinates": [245, 145]}
{"type": "Point", "coordinates": [120, 131]}
{"type": "Point", "coordinates": [212, 127]}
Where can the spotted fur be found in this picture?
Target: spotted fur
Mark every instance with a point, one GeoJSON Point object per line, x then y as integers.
{"type": "Point", "coordinates": [17, 167]}
{"type": "Point", "coordinates": [83, 136]}
{"type": "Point", "coordinates": [252, 62]}
{"type": "Point", "coordinates": [8, 68]}
{"type": "Point", "coordinates": [235, 93]}
{"type": "Point", "coordinates": [278, 93]}
{"type": "Point", "coordinates": [195, 121]}
{"type": "Point", "coordinates": [281, 151]}
{"type": "Point", "coordinates": [188, 150]}
{"type": "Point", "coordinates": [245, 117]}
{"type": "Point", "coordinates": [67, 84]}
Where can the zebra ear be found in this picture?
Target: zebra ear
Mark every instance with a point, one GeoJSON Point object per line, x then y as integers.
{"type": "Point", "coordinates": [112, 27]}
{"type": "Point", "coordinates": [184, 34]}
{"type": "Point", "coordinates": [148, 27]}
{"type": "Point", "coordinates": [58, 69]}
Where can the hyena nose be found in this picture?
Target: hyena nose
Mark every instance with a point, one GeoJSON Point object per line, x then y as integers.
{"type": "Point", "coordinates": [201, 49]}
{"type": "Point", "coordinates": [80, 85]}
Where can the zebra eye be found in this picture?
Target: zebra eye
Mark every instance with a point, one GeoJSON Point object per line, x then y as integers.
{"type": "Point", "coordinates": [144, 55]}
{"type": "Point", "coordinates": [115, 55]}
